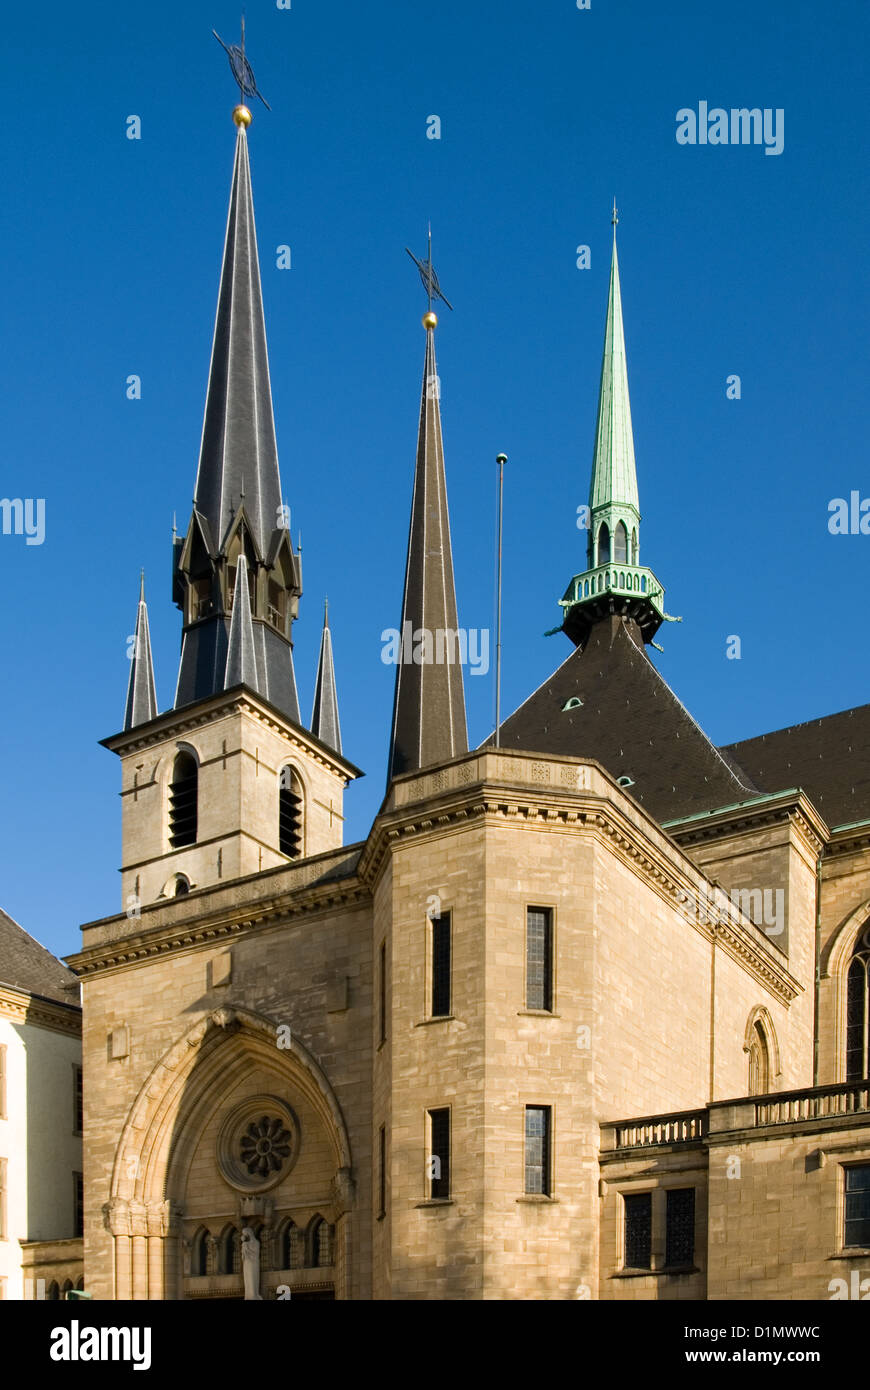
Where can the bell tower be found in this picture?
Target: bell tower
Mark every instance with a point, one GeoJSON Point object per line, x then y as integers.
{"type": "Point", "coordinates": [228, 783]}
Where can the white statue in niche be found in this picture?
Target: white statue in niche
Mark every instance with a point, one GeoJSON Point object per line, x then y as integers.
{"type": "Point", "coordinates": [251, 1264]}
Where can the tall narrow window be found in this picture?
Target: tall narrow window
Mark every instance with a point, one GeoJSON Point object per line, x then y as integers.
{"type": "Point", "coordinates": [382, 997]}
{"type": "Point", "coordinates": [539, 958]}
{"type": "Point", "coordinates": [441, 965]}
{"type": "Point", "coordinates": [603, 544]}
{"type": "Point", "coordinates": [620, 543]}
{"type": "Point", "coordinates": [199, 1254]}
{"type": "Point", "coordinates": [2, 1081]}
{"type": "Point", "coordinates": [78, 1101]}
{"type": "Point", "coordinates": [291, 806]}
{"type": "Point", "coordinates": [78, 1204]}
{"type": "Point", "coordinates": [438, 1158]}
{"type": "Point", "coordinates": [638, 1230]}
{"type": "Point", "coordinates": [183, 801]}
{"type": "Point", "coordinates": [759, 1062]}
{"type": "Point", "coordinates": [679, 1227]}
{"type": "Point", "coordinates": [857, 1206]}
{"type": "Point", "coordinates": [537, 1155]}
{"type": "Point", "coordinates": [858, 1011]}
{"type": "Point", "coordinates": [633, 545]}
{"type": "Point", "coordinates": [382, 1171]}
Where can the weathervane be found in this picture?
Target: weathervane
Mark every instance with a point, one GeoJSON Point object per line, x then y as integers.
{"type": "Point", "coordinates": [241, 68]}
{"type": "Point", "coordinates": [428, 276]}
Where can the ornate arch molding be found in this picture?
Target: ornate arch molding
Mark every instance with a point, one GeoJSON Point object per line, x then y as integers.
{"type": "Point", "coordinates": [761, 1015]}
{"type": "Point", "coordinates": [168, 1114]}
{"type": "Point", "coordinates": [838, 951]}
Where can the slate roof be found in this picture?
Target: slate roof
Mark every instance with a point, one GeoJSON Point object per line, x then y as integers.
{"type": "Point", "coordinates": [829, 758]}
{"type": "Point", "coordinates": [429, 704]}
{"type": "Point", "coordinates": [324, 714]}
{"type": "Point", "coordinates": [27, 966]}
{"type": "Point", "coordinates": [631, 722]}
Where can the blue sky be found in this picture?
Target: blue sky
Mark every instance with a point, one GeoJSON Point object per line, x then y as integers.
{"type": "Point", "coordinates": [732, 261]}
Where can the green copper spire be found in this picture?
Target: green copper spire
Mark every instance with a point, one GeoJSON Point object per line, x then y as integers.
{"type": "Point", "coordinates": [614, 478]}
{"type": "Point", "coordinates": [613, 581]}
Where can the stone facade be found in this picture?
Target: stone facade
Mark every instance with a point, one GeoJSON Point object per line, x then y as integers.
{"type": "Point", "coordinates": [301, 993]}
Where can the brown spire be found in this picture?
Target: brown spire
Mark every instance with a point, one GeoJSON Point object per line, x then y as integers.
{"type": "Point", "coordinates": [429, 707]}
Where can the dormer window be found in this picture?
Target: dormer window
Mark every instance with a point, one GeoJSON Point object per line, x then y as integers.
{"type": "Point", "coordinates": [277, 610]}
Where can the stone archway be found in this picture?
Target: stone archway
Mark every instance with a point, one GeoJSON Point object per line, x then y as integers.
{"type": "Point", "coordinates": [145, 1211]}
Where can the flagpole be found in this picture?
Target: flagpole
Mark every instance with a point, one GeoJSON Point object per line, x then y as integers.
{"type": "Point", "coordinates": [501, 460]}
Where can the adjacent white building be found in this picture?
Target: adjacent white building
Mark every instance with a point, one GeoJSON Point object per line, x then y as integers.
{"type": "Point", "coordinates": [40, 1119]}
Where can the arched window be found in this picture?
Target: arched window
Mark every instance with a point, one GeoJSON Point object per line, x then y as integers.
{"type": "Point", "coordinates": [291, 1248]}
{"type": "Point", "coordinates": [291, 809]}
{"type": "Point", "coordinates": [603, 544]}
{"type": "Point", "coordinates": [67, 1285]}
{"type": "Point", "coordinates": [319, 1243]}
{"type": "Point", "coordinates": [182, 885]}
{"type": "Point", "coordinates": [231, 1251]}
{"type": "Point", "coordinates": [634, 545]}
{"type": "Point", "coordinates": [759, 1061]}
{"type": "Point", "coordinates": [199, 1254]}
{"type": "Point", "coordinates": [643, 583]}
{"type": "Point", "coordinates": [183, 801]}
{"type": "Point", "coordinates": [858, 1010]}
{"type": "Point", "coordinates": [53, 1291]}
{"type": "Point", "coordinates": [620, 544]}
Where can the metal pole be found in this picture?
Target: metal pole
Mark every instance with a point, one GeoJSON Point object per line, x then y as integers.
{"type": "Point", "coordinates": [501, 460]}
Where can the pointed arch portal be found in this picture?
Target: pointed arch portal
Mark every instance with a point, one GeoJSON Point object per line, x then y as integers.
{"type": "Point", "coordinates": [187, 1088]}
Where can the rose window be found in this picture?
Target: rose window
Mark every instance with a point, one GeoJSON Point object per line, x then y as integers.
{"type": "Point", "coordinates": [264, 1146]}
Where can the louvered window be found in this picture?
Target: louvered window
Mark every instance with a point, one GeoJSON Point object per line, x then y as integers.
{"type": "Point", "coordinates": [290, 814]}
{"type": "Point", "coordinates": [183, 801]}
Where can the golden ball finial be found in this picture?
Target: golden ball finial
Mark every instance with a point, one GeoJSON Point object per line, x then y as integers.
{"type": "Point", "coordinates": [430, 320]}
{"type": "Point", "coordinates": [242, 116]}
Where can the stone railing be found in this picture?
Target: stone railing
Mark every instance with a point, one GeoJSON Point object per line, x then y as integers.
{"type": "Point", "coordinates": [685, 1127]}
{"type": "Point", "coordinates": [816, 1103]}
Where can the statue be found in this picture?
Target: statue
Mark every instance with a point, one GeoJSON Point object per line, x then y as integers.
{"type": "Point", "coordinates": [251, 1264]}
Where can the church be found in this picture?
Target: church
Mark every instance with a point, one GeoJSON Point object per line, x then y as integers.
{"type": "Point", "coordinates": [585, 1016]}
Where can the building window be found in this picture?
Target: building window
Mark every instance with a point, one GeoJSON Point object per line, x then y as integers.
{"type": "Point", "coordinates": [634, 550]}
{"type": "Point", "coordinates": [78, 1101]}
{"type": "Point", "coordinates": [319, 1243]}
{"type": "Point", "coordinates": [3, 1235]}
{"type": "Point", "coordinates": [199, 1254]}
{"type": "Point", "coordinates": [382, 997]}
{"type": "Point", "coordinates": [620, 544]}
{"type": "Point", "coordinates": [183, 801]}
{"type": "Point", "coordinates": [290, 813]}
{"type": "Point", "coordinates": [292, 1247]}
{"type": "Point", "coordinates": [2, 1081]}
{"type": "Point", "coordinates": [537, 1155]}
{"type": "Point", "coordinates": [679, 1227]}
{"type": "Point", "coordinates": [382, 1171]}
{"type": "Point", "coordinates": [603, 545]}
{"type": "Point", "coordinates": [230, 1251]}
{"type": "Point", "coordinates": [438, 1158]}
{"type": "Point", "coordinates": [441, 965]}
{"type": "Point", "coordinates": [857, 1206]}
{"type": "Point", "coordinates": [539, 958]}
{"type": "Point", "coordinates": [638, 1230]}
{"type": "Point", "coordinates": [759, 1061]}
{"type": "Point", "coordinates": [858, 1011]}
{"type": "Point", "coordinates": [78, 1205]}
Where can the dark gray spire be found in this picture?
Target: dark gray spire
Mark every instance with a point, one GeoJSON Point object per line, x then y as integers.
{"type": "Point", "coordinates": [429, 707]}
{"type": "Point", "coordinates": [141, 695]}
{"type": "Point", "coordinates": [324, 715]}
{"type": "Point", "coordinates": [237, 505]}
{"type": "Point", "coordinates": [239, 453]}
{"type": "Point", "coordinates": [241, 661]}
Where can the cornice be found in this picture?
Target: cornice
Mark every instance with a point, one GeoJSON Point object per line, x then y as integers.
{"type": "Point", "coordinates": [209, 928]}
{"type": "Point", "coordinates": [174, 723]}
{"type": "Point", "coordinates": [791, 806]}
{"type": "Point", "coordinates": [21, 1007]}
